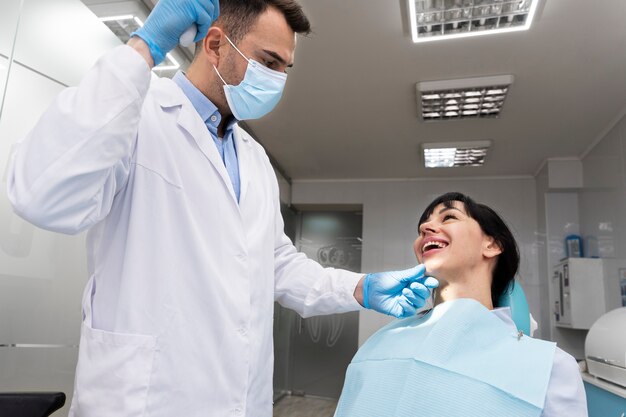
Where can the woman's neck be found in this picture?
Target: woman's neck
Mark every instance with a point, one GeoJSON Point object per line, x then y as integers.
{"type": "Point", "coordinates": [476, 287]}
{"type": "Point", "coordinates": [451, 291]}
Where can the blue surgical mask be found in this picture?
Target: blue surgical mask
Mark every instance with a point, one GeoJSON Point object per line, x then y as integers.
{"type": "Point", "coordinates": [257, 94]}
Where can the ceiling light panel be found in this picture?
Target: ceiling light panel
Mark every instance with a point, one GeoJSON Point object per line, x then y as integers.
{"type": "Point", "coordinates": [458, 154]}
{"type": "Point", "coordinates": [465, 98]}
{"type": "Point", "coordinates": [123, 25]}
{"type": "Point", "coordinates": [446, 19]}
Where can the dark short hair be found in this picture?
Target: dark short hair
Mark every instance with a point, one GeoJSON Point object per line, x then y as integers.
{"type": "Point", "coordinates": [238, 16]}
{"type": "Point", "coordinates": [492, 225]}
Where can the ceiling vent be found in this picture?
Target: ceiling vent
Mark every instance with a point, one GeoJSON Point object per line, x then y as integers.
{"type": "Point", "coordinates": [433, 20]}
{"type": "Point", "coordinates": [464, 98]}
{"type": "Point", "coordinates": [455, 154]}
{"type": "Point", "coordinates": [123, 25]}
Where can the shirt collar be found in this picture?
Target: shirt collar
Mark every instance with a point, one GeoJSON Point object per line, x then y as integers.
{"type": "Point", "coordinates": [504, 314]}
{"type": "Point", "coordinates": [205, 108]}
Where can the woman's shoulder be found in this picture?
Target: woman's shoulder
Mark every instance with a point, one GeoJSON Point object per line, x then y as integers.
{"type": "Point", "coordinates": [565, 366]}
{"type": "Point", "coordinates": [564, 362]}
{"type": "Point", "coordinates": [566, 393]}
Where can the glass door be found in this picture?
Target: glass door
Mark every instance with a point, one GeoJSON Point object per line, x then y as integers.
{"type": "Point", "coordinates": [323, 346]}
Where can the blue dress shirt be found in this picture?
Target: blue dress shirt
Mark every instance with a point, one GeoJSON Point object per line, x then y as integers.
{"type": "Point", "coordinates": [212, 117]}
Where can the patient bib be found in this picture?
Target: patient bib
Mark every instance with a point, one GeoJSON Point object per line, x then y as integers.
{"type": "Point", "coordinates": [458, 360]}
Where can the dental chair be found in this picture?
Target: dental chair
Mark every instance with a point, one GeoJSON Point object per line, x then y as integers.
{"type": "Point", "coordinates": [30, 404]}
{"type": "Point", "coordinates": [515, 298]}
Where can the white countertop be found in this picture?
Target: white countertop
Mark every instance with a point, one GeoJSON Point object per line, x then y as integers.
{"type": "Point", "coordinates": [607, 386]}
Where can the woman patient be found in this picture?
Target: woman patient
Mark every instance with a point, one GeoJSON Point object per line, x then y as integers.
{"type": "Point", "coordinates": [465, 357]}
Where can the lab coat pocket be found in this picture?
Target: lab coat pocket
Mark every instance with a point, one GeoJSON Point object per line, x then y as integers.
{"type": "Point", "coordinates": [113, 375]}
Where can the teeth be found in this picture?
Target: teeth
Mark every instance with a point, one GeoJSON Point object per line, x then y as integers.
{"type": "Point", "coordinates": [433, 244]}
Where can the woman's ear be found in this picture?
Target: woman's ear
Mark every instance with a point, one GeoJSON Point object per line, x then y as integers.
{"type": "Point", "coordinates": [491, 248]}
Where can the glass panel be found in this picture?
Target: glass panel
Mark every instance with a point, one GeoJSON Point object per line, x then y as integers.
{"type": "Point", "coordinates": [9, 17]}
{"type": "Point", "coordinates": [42, 274]}
{"type": "Point", "coordinates": [284, 318]}
{"type": "Point", "coordinates": [61, 39]}
{"type": "Point", "coordinates": [323, 346]}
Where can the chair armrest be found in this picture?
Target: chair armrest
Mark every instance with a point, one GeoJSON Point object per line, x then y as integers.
{"type": "Point", "coordinates": [30, 404]}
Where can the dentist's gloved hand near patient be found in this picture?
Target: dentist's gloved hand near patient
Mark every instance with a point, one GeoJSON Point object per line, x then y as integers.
{"type": "Point", "coordinates": [397, 293]}
{"type": "Point", "coordinates": [170, 19]}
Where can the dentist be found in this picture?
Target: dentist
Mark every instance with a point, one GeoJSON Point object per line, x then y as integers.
{"type": "Point", "coordinates": [186, 246]}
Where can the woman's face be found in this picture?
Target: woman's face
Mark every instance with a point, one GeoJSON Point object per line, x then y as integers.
{"type": "Point", "coordinates": [451, 244]}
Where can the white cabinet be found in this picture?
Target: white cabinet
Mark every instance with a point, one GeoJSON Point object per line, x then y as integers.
{"type": "Point", "coordinates": [583, 289]}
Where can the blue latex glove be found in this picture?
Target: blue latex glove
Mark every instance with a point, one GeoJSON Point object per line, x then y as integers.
{"type": "Point", "coordinates": [171, 18]}
{"type": "Point", "coordinates": [398, 293]}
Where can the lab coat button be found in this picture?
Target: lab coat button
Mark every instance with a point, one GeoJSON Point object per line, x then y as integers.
{"type": "Point", "coordinates": [237, 410]}
{"type": "Point", "coordinates": [242, 331]}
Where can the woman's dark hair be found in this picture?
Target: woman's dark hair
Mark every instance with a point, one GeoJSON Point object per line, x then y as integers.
{"type": "Point", "coordinates": [492, 225]}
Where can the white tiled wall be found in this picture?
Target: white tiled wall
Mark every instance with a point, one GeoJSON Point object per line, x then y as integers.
{"type": "Point", "coordinates": [541, 185]}
{"type": "Point", "coordinates": [391, 210]}
{"type": "Point", "coordinates": [603, 197]}
{"type": "Point", "coordinates": [603, 201]}
{"type": "Point", "coordinates": [594, 210]}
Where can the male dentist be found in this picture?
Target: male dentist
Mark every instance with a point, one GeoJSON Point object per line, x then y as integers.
{"type": "Point", "coordinates": [186, 246]}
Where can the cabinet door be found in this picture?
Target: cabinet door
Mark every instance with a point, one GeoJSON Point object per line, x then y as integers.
{"type": "Point", "coordinates": [601, 403]}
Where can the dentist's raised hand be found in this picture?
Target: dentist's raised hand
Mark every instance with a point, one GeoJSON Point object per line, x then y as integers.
{"type": "Point", "coordinates": [397, 293]}
{"type": "Point", "coordinates": [170, 19]}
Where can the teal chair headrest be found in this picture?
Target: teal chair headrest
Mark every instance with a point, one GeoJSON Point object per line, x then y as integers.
{"type": "Point", "coordinates": [515, 298]}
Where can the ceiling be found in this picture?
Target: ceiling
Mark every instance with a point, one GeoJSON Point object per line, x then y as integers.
{"type": "Point", "coordinates": [350, 109]}
{"type": "Point", "coordinates": [350, 112]}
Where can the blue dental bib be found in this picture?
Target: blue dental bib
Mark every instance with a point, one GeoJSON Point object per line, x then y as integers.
{"type": "Point", "coordinates": [458, 360]}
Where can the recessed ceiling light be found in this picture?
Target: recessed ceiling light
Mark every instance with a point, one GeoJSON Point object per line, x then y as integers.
{"type": "Point", "coordinates": [463, 98]}
{"type": "Point", "coordinates": [433, 20]}
{"type": "Point", "coordinates": [455, 154]}
{"type": "Point", "coordinates": [123, 25]}
{"type": "Point", "coordinates": [169, 63]}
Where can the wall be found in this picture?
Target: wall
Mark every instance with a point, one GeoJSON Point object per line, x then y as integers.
{"type": "Point", "coordinates": [541, 187]}
{"type": "Point", "coordinates": [602, 203]}
{"type": "Point", "coordinates": [561, 219]}
{"type": "Point", "coordinates": [602, 200]}
{"type": "Point", "coordinates": [593, 208]}
{"type": "Point", "coordinates": [42, 274]}
{"type": "Point", "coordinates": [391, 210]}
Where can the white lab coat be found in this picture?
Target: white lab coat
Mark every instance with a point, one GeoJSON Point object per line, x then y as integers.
{"type": "Point", "coordinates": [178, 309]}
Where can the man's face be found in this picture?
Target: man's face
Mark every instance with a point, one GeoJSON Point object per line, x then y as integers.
{"type": "Point", "coordinates": [271, 42]}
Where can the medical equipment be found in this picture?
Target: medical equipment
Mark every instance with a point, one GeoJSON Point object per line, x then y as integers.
{"type": "Point", "coordinates": [433, 297]}
{"type": "Point", "coordinates": [605, 347]}
{"type": "Point", "coordinates": [583, 289]}
{"type": "Point", "coordinates": [574, 246]}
